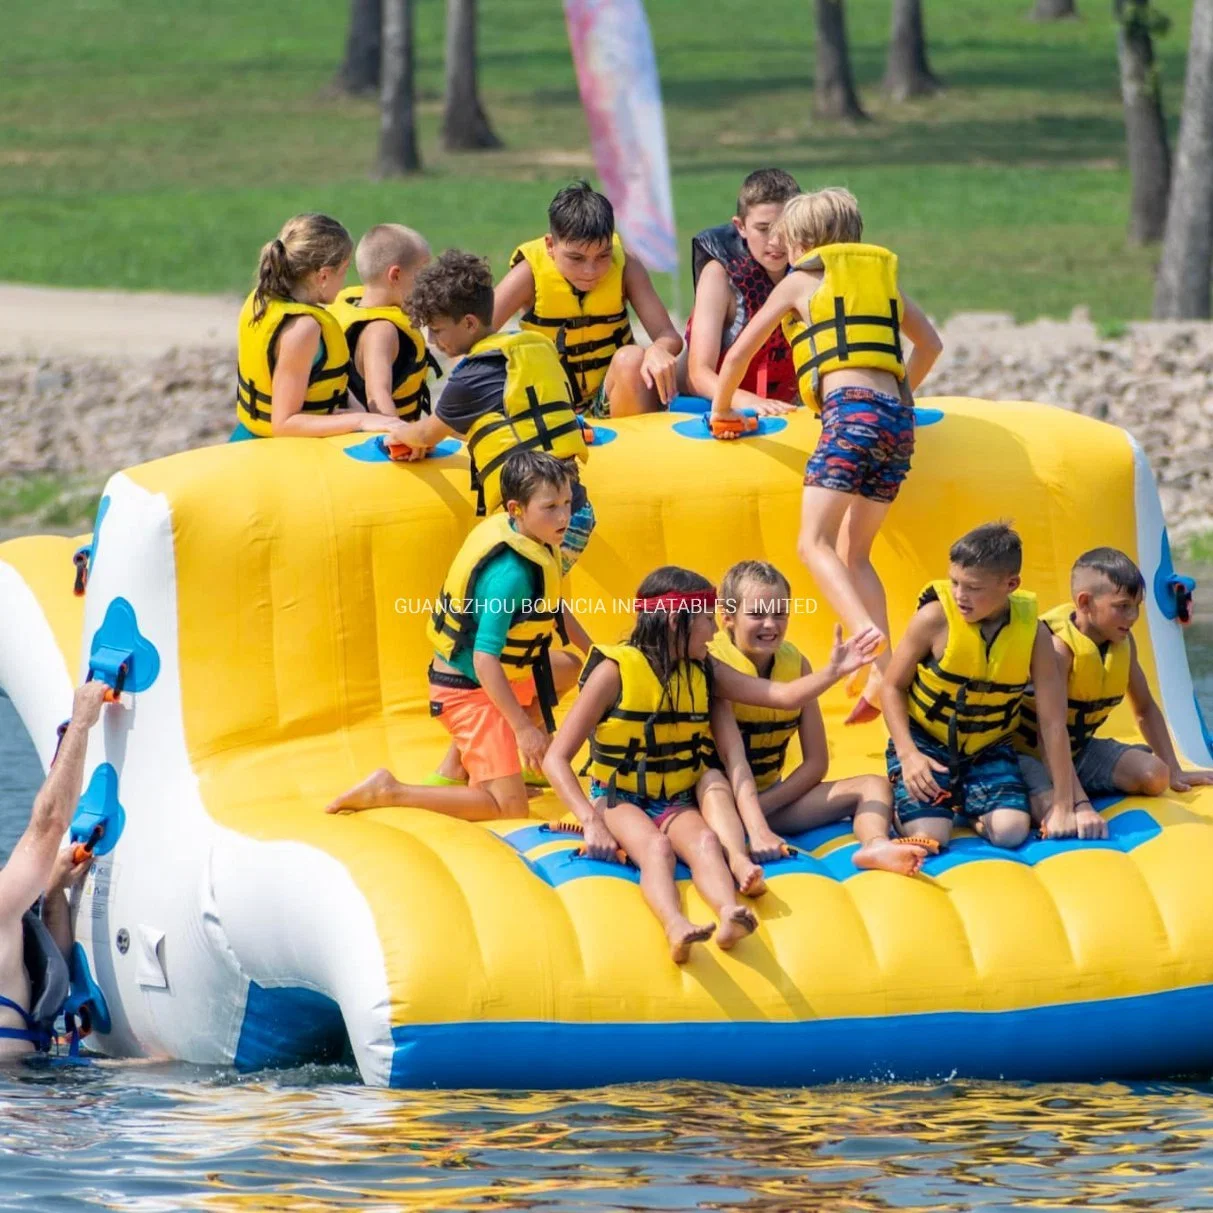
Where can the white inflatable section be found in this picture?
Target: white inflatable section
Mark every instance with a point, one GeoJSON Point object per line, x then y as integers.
{"type": "Point", "coordinates": [201, 909]}
{"type": "Point", "coordinates": [1176, 690]}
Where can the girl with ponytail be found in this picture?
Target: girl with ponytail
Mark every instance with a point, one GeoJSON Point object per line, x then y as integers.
{"type": "Point", "coordinates": [292, 357]}
{"type": "Point", "coordinates": [648, 708]}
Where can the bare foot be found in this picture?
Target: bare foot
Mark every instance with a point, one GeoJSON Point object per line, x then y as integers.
{"type": "Point", "coordinates": [682, 935]}
{"type": "Point", "coordinates": [748, 875]}
{"type": "Point", "coordinates": [863, 712]}
{"type": "Point", "coordinates": [373, 792]}
{"type": "Point", "coordinates": [736, 922]}
{"type": "Point", "coordinates": [889, 856]}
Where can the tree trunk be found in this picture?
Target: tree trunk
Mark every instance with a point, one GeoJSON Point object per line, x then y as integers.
{"type": "Point", "coordinates": [834, 93]}
{"type": "Point", "coordinates": [359, 71]}
{"type": "Point", "coordinates": [1145, 127]}
{"type": "Point", "coordinates": [1053, 10]}
{"type": "Point", "coordinates": [398, 152]}
{"type": "Point", "coordinates": [907, 73]}
{"type": "Point", "coordinates": [464, 124]}
{"type": "Point", "coordinates": [1182, 289]}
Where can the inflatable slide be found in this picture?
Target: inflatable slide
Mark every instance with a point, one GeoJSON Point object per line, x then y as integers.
{"type": "Point", "coordinates": [261, 606]}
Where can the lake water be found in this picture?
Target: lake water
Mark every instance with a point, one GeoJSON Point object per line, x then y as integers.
{"type": "Point", "coordinates": [127, 1136]}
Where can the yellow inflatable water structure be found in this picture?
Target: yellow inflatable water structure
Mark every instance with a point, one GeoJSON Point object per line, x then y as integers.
{"type": "Point", "coordinates": [267, 602]}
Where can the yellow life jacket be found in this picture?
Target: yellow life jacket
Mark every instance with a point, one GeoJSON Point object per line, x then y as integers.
{"type": "Point", "coordinates": [855, 316]}
{"type": "Point", "coordinates": [586, 329]}
{"type": "Point", "coordinates": [970, 698]}
{"type": "Point", "coordinates": [650, 742]}
{"type": "Point", "coordinates": [536, 415]}
{"type": "Point", "coordinates": [1098, 682]}
{"type": "Point", "coordinates": [410, 391]}
{"type": "Point", "coordinates": [765, 731]}
{"type": "Point", "coordinates": [257, 355]}
{"type": "Point", "coordinates": [452, 625]}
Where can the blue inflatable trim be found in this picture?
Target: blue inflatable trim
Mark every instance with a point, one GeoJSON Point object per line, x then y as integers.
{"type": "Point", "coordinates": [91, 547]}
{"type": "Point", "coordinates": [690, 404]}
{"type": "Point", "coordinates": [118, 642]}
{"type": "Point", "coordinates": [286, 1026]}
{"type": "Point", "coordinates": [1070, 1042]}
{"type": "Point", "coordinates": [927, 416]}
{"type": "Point", "coordinates": [1204, 728]}
{"type": "Point", "coordinates": [1126, 832]}
{"type": "Point", "coordinates": [85, 990]}
{"type": "Point", "coordinates": [697, 427]}
{"type": "Point", "coordinates": [242, 433]}
{"type": "Point", "coordinates": [1167, 581]}
{"type": "Point", "coordinates": [603, 435]}
{"type": "Point", "coordinates": [100, 806]}
{"type": "Point", "coordinates": [374, 450]}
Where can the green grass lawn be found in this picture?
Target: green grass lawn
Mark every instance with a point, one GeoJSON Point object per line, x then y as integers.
{"type": "Point", "coordinates": [158, 144]}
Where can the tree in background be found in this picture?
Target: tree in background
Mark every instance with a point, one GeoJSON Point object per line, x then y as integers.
{"type": "Point", "coordinates": [1182, 289]}
{"type": "Point", "coordinates": [907, 73]}
{"type": "Point", "coordinates": [464, 124]}
{"type": "Point", "coordinates": [1053, 10]}
{"type": "Point", "coordinates": [359, 71]}
{"type": "Point", "coordinates": [398, 151]}
{"type": "Point", "coordinates": [1145, 126]}
{"type": "Point", "coordinates": [834, 93]}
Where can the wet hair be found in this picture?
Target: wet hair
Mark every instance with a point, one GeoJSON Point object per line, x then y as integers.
{"type": "Point", "coordinates": [750, 572]}
{"type": "Point", "coordinates": [1113, 566]}
{"type": "Point", "coordinates": [524, 473]}
{"type": "Point", "coordinates": [764, 186]}
{"type": "Point", "coordinates": [994, 548]}
{"type": "Point", "coordinates": [581, 215]}
{"type": "Point", "coordinates": [307, 243]}
{"type": "Point", "coordinates": [386, 245]}
{"type": "Point", "coordinates": [829, 216]}
{"type": "Point", "coordinates": [456, 285]}
{"type": "Point", "coordinates": [666, 649]}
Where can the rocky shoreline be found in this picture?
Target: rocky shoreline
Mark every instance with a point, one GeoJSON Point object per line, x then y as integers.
{"type": "Point", "coordinates": [82, 418]}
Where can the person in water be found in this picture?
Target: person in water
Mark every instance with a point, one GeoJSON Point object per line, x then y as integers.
{"type": "Point", "coordinates": [646, 708]}
{"type": "Point", "coordinates": [292, 359]}
{"type": "Point", "coordinates": [508, 393]}
{"type": "Point", "coordinates": [749, 821]}
{"type": "Point", "coordinates": [735, 267]}
{"type": "Point", "coordinates": [494, 677]}
{"type": "Point", "coordinates": [843, 313]}
{"type": "Point", "coordinates": [574, 287]}
{"type": "Point", "coordinates": [1093, 642]}
{"type": "Point", "coordinates": [389, 362]}
{"type": "Point", "coordinates": [953, 697]}
{"type": "Point", "coordinates": [35, 948]}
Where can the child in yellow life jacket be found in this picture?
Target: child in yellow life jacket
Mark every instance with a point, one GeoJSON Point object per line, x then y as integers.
{"type": "Point", "coordinates": [509, 393]}
{"type": "Point", "coordinates": [843, 314]}
{"type": "Point", "coordinates": [389, 364]}
{"type": "Point", "coordinates": [1093, 643]}
{"type": "Point", "coordinates": [953, 696]}
{"type": "Point", "coordinates": [648, 709]}
{"type": "Point", "coordinates": [757, 799]}
{"type": "Point", "coordinates": [573, 287]}
{"type": "Point", "coordinates": [495, 667]}
{"type": "Point", "coordinates": [292, 361]}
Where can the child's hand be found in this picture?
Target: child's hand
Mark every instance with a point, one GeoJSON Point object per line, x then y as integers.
{"type": "Point", "coordinates": [1088, 822]}
{"type": "Point", "coordinates": [856, 651]}
{"type": "Point", "coordinates": [1059, 822]}
{"type": "Point", "coordinates": [88, 702]}
{"type": "Point", "coordinates": [765, 846]}
{"type": "Point", "coordinates": [64, 873]}
{"type": "Point", "coordinates": [377, 423]}
{"type": "Point", "coordinates": [761, 405]}
{"type": "Point", "coordinates": [659, 369]}
{"type": "Point", "coordinates": [1185, 781]}
{"type": "Point", "coordinates": [599, 843]}
{"type": "Point", "coordinates": [918, 774]}
{"type": "Point", "coordinates": [532, 747]}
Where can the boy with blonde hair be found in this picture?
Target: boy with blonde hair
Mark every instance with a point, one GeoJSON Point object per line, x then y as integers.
{"type": "Point", "coordinates": [843, 314]}
{"type": "Point", "coordinates": [389, 362]}
{"type": "Point", "coordinates": [573, 287]}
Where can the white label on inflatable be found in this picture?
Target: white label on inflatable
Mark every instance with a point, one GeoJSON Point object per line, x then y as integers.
{"type": "Point", "coordinates": [149, 962]}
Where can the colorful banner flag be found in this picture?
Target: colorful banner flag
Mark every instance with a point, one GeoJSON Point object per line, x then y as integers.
{"type": "Point", "coordinates": [621, 93]}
